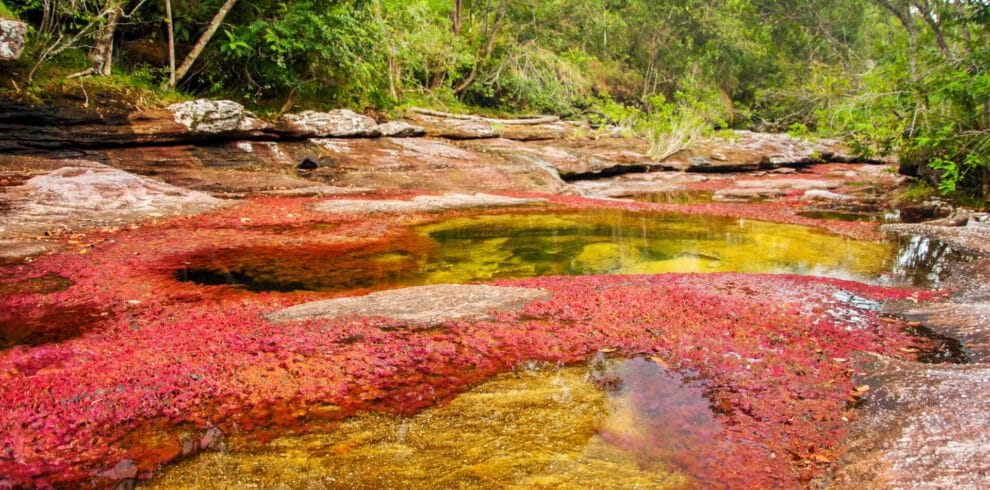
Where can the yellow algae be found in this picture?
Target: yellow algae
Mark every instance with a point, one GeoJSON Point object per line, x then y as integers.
{"type": "Point", "coordinates": [534, 428]}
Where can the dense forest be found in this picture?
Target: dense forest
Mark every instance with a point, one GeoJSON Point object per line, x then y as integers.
{"type": "Point", "coordinates": [887, 75]}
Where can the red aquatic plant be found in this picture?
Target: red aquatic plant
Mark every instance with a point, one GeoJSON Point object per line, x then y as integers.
{"type": "Point", "coordinates": [166, 368]}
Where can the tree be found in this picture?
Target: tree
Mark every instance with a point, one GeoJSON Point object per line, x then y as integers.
{"type": "Point", "coordinates": [204, 38]}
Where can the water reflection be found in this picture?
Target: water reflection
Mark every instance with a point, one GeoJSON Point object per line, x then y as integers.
{"type": "Point", "coordinates": [501, 246]}
{"type": "Point", "coordinates": [924, 261]}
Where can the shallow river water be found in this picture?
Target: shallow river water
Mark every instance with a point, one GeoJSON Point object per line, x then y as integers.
{"type": "Point", "coordinates": [499, 246]}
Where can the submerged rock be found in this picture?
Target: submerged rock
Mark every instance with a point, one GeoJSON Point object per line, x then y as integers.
{"type": "Point", "coordinates": [422, 304]}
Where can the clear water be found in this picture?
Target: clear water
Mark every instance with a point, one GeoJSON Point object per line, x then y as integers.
{"type": "Point", "coordinates": [630, 423]}
{"type": "Point", "coordinates": [498, 246]}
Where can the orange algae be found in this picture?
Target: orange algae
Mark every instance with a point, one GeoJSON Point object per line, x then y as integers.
{"type": "Point", "coordinates": [196, 359]}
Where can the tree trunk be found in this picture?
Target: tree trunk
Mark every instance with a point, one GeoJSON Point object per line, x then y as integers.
{"type": "Point", "coordinates": [489, 47]}
{"type": "Point", "coordinates": [456, 24]}
{"type": "Point", "coordinates": [102, 52]}
{"type": "Point", "coordinates": [171, 45]}
{"type": "Point", "coordinates": [204, 39]}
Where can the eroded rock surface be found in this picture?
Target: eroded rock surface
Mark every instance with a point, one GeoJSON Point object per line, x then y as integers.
{"type": "Point", "coordinates": [745, 151]}
{"type": "Point", "coordinates": [922, 426]}
{"type": "Point", "coordinates": [425, 164]}
{"type": "Point", "coordinates": [925, 425]}
{"type": "Point", "coordinates": [429, 305]}
{"type": "Point", "coordinates": [91, 194]}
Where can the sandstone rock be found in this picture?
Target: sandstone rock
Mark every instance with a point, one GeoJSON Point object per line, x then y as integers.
{"type": "Point", "coordinates": [230, 170]}
{"type": "Point", "coordinates": [922, 426]}
{"type": "Point", "coordinates": [428, 305]}
{"type": "Point", "coordinates": [746, 194]}
{"type": "Point", "coordinates": [338, 123]}
{"type": "Point", "coordinates": [213, 117]}
{"type": "Point", "coordinates": [974, 237]}
{"type": "Point", "coordinates": [744, 151]}
{"type": "Point", "coordinates": [400, 129]}
{"type": "Point", "coordinates": [12, 35]}
{"type": "Point", "coordinates": [91, 194]}
{"type": "Point", "coordinates": [474, 128]}
{"type": "Point", "coordinates": [533, 132]}
{"type": "Point", "coordinates": [823, 195]}
{"type": "Point", "coordinates": [574, 159]}
{"type": "Point", "coordinates": [796, 184]}
{"type": "Point", "coordinates": [466, 130]}
{"type": "Point", "coordinates": [425, 164]}
{"type": "Point", "coordinates": [421, 203]}
{"type": "Point", "coordinates": [928, 210]}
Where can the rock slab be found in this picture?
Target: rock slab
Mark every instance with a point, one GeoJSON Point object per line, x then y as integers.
{"type": "Point", "coordinates": [430, 305]}
{"type": "Point", "coordinates": [89, 193]}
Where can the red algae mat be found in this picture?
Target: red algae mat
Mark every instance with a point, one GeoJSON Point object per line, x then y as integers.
{"type": "Point", "coordinates": [154, 369]}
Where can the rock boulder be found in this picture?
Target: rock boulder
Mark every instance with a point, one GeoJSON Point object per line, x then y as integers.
{"type": "Point", "coordinates": [12, 35]}
{"type": "Point", "coordinates": [338, 123]}
{"type": "Point", "coordinates": [213, 117]}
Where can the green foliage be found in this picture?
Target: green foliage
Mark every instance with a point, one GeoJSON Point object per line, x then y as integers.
{"type": "Point", "coordinates": [321, 51]}
{"type": "Point", "coordinates": [672, 127]}
{"type": "Point", "coordinates": [927, 99]}
{"type": "Point", "coordinates": [918, 191]}
{"type": "Point", "coordinates": [6, 12]}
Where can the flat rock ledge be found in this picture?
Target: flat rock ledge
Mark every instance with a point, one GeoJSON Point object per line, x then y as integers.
{"type": "Point", "coordinates": [923, 426]}
{"type": "Point", "coordinates": [430, 305]}
{"type": "Point", "coordinates": [87, 193]}
{"type": "Point", "coordinates": [421, 203]}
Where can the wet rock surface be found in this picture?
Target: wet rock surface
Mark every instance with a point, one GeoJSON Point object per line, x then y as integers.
{"type": "Point", "coordinates": [428, 305]}
{"type": "Point", "coordinates": [922, 426]}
